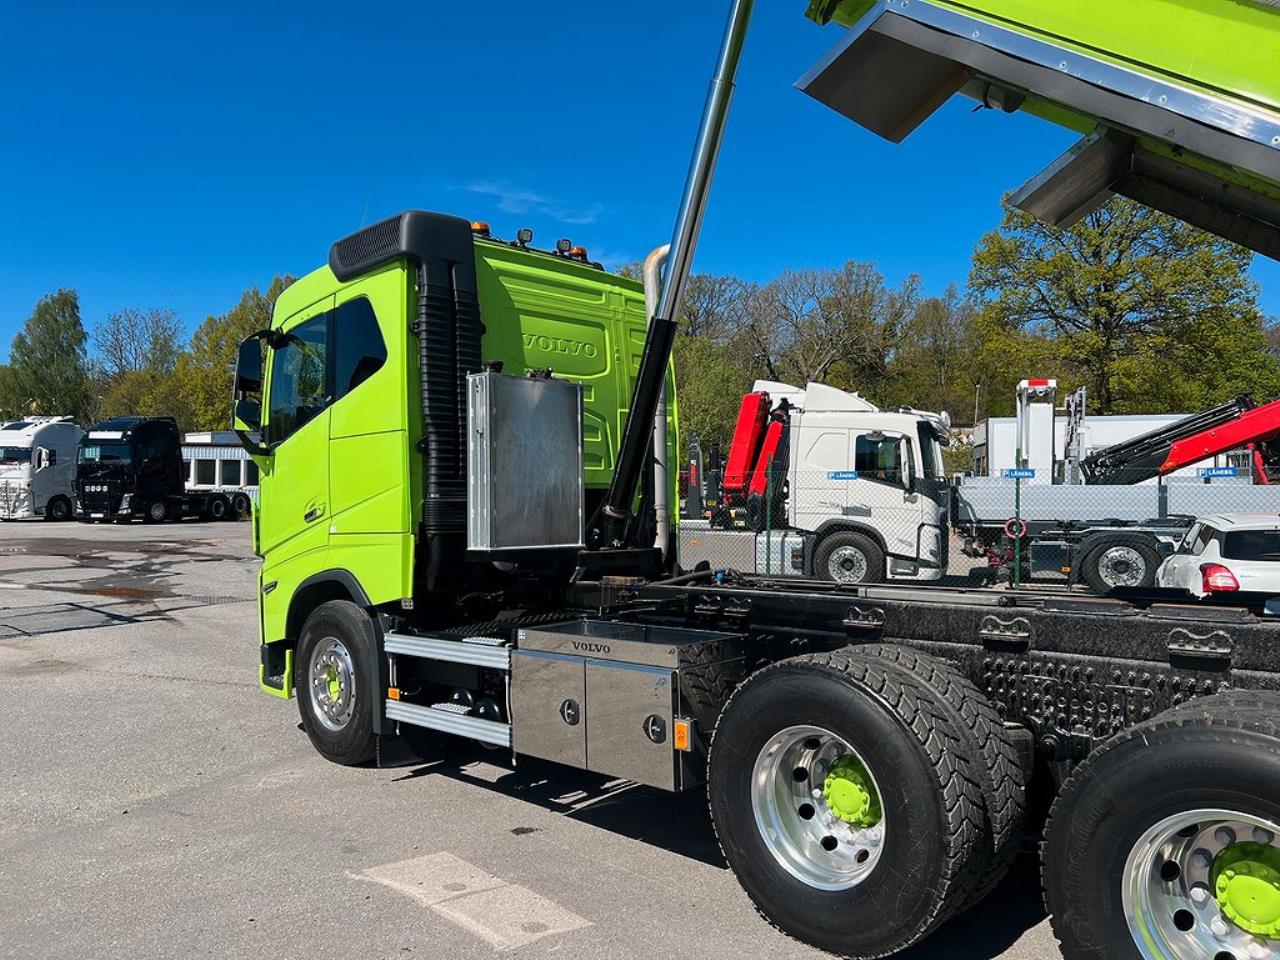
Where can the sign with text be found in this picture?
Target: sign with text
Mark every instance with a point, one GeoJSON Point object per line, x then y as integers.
{"type": "Point", "coordinates": [843, 475]}
{"type": "Point", "coordinates": [1218, 472]}
{"type": "Point", "coordinates": [1019, 473]}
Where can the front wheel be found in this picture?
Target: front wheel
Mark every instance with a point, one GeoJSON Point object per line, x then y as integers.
{"type": "Point", "coordinates": [58, 509]}
{"type": "Point", "coordinates": [1165, 844]}
{"type": "Point", "coordinates": [157, 511]}
{"type": "Point", "coordinates": [846, 802]}
{"type": "Point", "coordinates": [849, 557]}
{"type": "Point", "coordinates": [335, 676]}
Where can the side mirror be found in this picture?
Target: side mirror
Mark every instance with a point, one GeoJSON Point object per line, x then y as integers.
{"type": "Point", "coordinates": [249, 367]}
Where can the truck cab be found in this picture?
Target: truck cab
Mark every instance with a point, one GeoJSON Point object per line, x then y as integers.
{"type": "Point", "coordinates": [359, 390]}
{"type": "Point", "coordinates": [132, 468]}
{"type": "Point", "coordinates": [37, 467]}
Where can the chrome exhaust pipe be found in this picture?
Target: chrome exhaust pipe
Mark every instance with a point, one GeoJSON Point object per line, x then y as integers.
{"type": "Point", "coordinates": [653, 265]}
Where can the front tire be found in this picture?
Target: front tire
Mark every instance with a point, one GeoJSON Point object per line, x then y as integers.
{"type": "Point", "coordinates": [1165, 843]}
{"type": "Point", "coordinates": [846, 802]}
{"type": "Point", "coordinates": [849, 557]}
{"type": "Point", "coordinates": [157, 511]}
{"type": "Point", "coordinates": [335, 674]}
{"type": "Point", "coordinates": [58, 509]}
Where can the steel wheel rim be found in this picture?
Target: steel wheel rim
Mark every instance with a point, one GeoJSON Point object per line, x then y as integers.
{"type": "Point", "coordinates": [847, 565]}
{"type": "Point", "coordinates": [1122, 567]}
{"type": "Point", "coordinates": [332, 674]}
{"type": "Point", "coordinates": [795, 820]}
{"type": "Point", "coordinates": [1169, 892]}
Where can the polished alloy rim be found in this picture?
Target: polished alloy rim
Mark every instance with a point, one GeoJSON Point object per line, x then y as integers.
{"type": "Point", "coordinates": [847, 565]}
{"type": "Point", "coordinates": [1122, 567]}
{"type": "Point", "coordinates": [157, 511]}
{"type": "Point", "coordinates": [332, 673]}
{"type": "Point", "coordinates": [1205, 885]}
{"type": "Point", "coordinates": [817, 807]}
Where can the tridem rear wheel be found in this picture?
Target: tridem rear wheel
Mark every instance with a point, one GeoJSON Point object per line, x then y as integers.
{"type": "Point", "coordinates": [846, 802]}
{"type": "Point", "coordinates": [335, 677]}
{"type": "Point", "coordinates": [1165, 843]}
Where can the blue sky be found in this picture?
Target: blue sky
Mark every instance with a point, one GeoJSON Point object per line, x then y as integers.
{"type": "Point", "coordinates": [172, 155]}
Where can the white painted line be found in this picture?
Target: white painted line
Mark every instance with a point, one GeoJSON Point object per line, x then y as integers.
{"type": "Point", "coordinates": [502, 914]}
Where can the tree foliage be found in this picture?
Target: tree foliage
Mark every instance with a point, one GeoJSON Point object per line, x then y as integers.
{"type": "Point", "coordinates": [133, 341]}
{"type": "Point", "coordinates": [48, 369]}
{"type": "Point", "coordinates": [1148, 312]}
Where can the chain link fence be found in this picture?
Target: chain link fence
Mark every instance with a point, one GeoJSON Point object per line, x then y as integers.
{"type": "Point", "coordinates": [877, 525]}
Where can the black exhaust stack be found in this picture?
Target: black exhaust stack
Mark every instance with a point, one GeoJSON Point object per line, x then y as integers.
{"type": "Point", "coordinates": [448, 329]}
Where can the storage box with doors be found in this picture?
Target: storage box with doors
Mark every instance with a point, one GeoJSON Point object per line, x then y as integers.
{"type": "Point", "coordinates": [622, 699]}
{"type": "Point", "coordinates": [524, 463]}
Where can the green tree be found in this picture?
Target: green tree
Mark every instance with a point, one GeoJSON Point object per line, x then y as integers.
{"type": "Point", "coordinates": [934, 365]}
{"type": "Point", "coordinates": [206, 370]}
{"type": "Point", "coordinates": [1147, 311]}
{"type": "Point", "coordinates": [48, 371]}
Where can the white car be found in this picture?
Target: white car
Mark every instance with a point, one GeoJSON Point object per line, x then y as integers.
{"type": "Point", "coordinates": [1226, 553]}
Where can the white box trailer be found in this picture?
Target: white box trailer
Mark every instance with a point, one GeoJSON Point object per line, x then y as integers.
{"type": "Point", "coordinates": [216, 462]}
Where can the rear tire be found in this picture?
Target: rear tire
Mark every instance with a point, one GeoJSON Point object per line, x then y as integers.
{"type": "Point", "coordinates": [849, 557]}
{"type": "Point", "coordinates": [58, 509]}
{"type": "Point", "coordinates": [1003, 779]}
{"type": "Point", "coordinates": [241, 505]}
{"type": "Point", "coordinates": [216, 507]}
{"type": "Point", "coordinates": [922, 773]}
{"type": "Point", "coordinates": [1137, 828]}
{"type": "Point", "coordinates": [1127, 562]}
{"type": "Point", "coordinates": [335, 675]}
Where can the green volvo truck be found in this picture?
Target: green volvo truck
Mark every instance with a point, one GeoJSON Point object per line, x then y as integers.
{"type": "Point", "coordinates": [464, 537]}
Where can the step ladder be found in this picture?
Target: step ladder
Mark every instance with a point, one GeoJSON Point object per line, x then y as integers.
{"type": "Point", "coordinates": [453, 718]}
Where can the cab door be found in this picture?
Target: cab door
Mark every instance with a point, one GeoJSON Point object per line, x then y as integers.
{"type": "Point", "coordinates": [881, 494]}
{"type": "Point", "coordinates": [294, 481]}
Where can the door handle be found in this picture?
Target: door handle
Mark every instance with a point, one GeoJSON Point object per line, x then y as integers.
{"type": "Point", "coordinates": [315, 513]}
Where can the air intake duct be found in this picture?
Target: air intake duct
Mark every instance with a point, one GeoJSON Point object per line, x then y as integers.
{"type": "Point", "coordinates": [447, 325]}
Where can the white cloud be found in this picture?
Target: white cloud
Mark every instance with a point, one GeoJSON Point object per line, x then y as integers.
{"type": "Point", "coordinates": [514, 199]}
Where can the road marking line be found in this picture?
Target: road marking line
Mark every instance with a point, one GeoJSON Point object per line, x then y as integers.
{"type": "Point", "coordinates": [502, 914]}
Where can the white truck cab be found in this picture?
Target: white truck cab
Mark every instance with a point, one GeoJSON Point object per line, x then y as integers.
{"type": "Point", "coordinates": [868, 484]}
{"type": "Point", "coordinates": [38, 467]}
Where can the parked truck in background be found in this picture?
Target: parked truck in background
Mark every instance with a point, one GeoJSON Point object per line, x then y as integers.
{"type": "Point", "coordinates": [457, 542]}
{"type": "Point", "coordinates": [132, 468]}
{"type": "Point", "coordinates": [38, 467]}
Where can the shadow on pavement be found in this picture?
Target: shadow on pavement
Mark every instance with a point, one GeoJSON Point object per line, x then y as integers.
{"type": "Point", "coordinates": [681, 824]}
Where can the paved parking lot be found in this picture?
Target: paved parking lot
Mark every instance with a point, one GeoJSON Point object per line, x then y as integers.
{"type": "Point", "coordinates": [154, 804]}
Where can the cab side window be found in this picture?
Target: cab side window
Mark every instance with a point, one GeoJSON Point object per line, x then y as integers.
{"type": "Point", "coordinates": [878, 458]}
{"type": "Point", "coordinates": [298, 379]}
{"type": "Point", "coordinates": [359, 350]}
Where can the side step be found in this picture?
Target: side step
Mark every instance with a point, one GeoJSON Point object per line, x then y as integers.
{"type": "Point", "coordinates": [476, 651]}
{"type": "Point", "coordinates": [450, 718]}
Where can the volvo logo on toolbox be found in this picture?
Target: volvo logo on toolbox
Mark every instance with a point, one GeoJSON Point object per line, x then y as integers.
{"type": "Point", "coordinates": [587, 646]}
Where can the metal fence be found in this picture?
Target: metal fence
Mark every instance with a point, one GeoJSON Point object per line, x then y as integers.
{"type": "Point", "coordinates": [874, 525]}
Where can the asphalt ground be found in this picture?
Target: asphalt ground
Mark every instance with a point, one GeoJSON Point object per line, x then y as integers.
{"type": "Point", "coordinates": [154, 803]}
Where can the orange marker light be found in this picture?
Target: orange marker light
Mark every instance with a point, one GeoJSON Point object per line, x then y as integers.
{"type": "Point", "coordinates": [681, 738]}
{"type": "Point", "coordinates": [579, 252]}
{"type": "Point", "coordinates": [393, 693]}
{"type": "Point", "coordinates": [480, 227]}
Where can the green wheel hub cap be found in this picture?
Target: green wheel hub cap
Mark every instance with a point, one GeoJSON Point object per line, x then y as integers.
{"type": "Point", "coordinates": [1246, 881]}
{"type": "Point", "coordinates": [850, 794]}
{"type": "Point", "coordinates": [335, 687]}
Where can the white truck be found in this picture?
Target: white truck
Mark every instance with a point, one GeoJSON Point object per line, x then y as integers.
{"type": "Point", "coordinates": [834, 487]}
{"type": "Point", "coordinates": [38, 467]}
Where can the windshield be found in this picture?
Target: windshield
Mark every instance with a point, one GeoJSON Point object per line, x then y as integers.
{"type": "Point", "coordinates": [108, 452]}
{"type": "Point", "coordinates": [15, 455]}
{"type": "Point", "coordinates": [1251, 545]}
